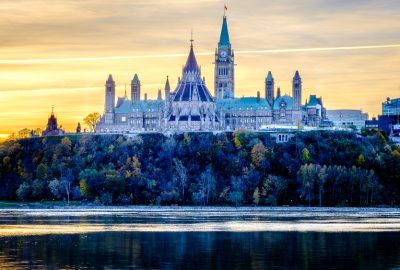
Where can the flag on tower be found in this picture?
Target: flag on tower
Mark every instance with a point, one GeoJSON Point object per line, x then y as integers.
{"type": "Point", "coordinates": [226, 8]}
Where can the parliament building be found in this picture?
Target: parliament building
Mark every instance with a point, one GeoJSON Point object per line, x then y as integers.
{"type": "Point", "coordinates": [192, 107]}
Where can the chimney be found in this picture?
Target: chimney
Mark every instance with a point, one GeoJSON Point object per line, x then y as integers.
{"type": "Point", "coordinates": [258, 96]}
{"type": "Point", "coordinates": [145, 97]}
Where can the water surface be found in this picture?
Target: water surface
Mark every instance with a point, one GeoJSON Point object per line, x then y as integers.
{"type": "Point", "coordinates": [200, 238]}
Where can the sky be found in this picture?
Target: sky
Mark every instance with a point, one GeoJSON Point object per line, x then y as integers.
{"type": "Point", "coordinates": [61, 52]}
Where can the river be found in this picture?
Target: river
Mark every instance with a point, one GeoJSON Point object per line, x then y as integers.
{"type": "Point", "coordinates": [200, 238]}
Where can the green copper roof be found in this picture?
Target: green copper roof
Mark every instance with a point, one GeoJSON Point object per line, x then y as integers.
{"type": "Point", "coordinates": [313, 101]}
{"type": "Point", "coordinates": [224, 38]}
{"type": "Point", "coordinates": [288, 100]}
{"type": "Point", "coordinates": [126, 106]}
{"type": "Point", "coordinates": [243, 104]}
{"type": "Point", "coordinates": [135, 78]}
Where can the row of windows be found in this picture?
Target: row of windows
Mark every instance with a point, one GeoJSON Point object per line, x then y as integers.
{"type": "Point", "coordinates": [252, 120]}
{"type": "Point", "coordinates": [283, 138]}
{"type": "Point", "coordinates": [223, 71]}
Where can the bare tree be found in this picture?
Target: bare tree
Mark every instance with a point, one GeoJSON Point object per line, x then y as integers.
{"type": "Point", "coordinates": [182, 175]}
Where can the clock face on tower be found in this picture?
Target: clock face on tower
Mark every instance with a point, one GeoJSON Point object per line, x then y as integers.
{"type": "Point", "coordinates": [223, 54]}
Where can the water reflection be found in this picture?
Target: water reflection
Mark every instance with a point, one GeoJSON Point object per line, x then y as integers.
{"type": "Point", "coordinates": [199, 250]}
{"type": "Point", "coordinates": [153, 238]}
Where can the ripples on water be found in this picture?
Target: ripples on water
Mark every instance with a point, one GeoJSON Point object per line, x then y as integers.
{"type": "Point", "coordinates": [200, 238]}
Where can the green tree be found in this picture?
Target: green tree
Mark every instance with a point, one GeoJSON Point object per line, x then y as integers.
{"type": "Point", "coordinates": [235, 195]}
{"type": "Point", "coordinates": [322, 177]}
{"type": "Point", "coordinates": [256, 196]}
{"type": "Point", "coordinates": [305, 157]}
{"type": "Point", "coordinates": [23, 192]}
{"type": "Point", "coordinates": [307, 176]}
{"type": "Point", "coordinates": [55, 188]}
{"type": "Point", "coordinates": [360, 160]}
{"type": "Point", "coordinates": [38, 188]}
{"type": "Point", "coordinates": [83, 188]}
{"type": "Point", "coordinates": [41, 171]}
{"type": "Point", "coordinates": [240, 138]}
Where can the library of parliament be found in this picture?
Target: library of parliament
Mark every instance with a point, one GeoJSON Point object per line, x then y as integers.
{"type": "Point", "coordinates": [192, 107]}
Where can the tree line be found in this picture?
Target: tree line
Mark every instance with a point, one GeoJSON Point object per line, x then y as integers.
{"type": "Point", "coordinates": [318, 168]}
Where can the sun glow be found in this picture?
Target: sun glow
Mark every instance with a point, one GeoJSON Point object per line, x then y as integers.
{"type": "Point", "coordinates": [61, 54]}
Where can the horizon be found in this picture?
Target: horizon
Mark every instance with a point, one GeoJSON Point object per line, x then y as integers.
{"type": "Point", "coordinates": [348, 54]}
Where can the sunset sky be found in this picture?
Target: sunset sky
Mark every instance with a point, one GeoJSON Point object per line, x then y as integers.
{"type": "Point", "coordinates": [55, 52]}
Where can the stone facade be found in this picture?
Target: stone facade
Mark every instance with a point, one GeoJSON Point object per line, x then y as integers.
{"type": "Point", "coordinates": [191, 107]}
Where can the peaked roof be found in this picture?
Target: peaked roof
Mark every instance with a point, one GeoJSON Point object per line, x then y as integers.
{"type": "Point", "coordinates": [135, 78]}
{"type": "Point", "coordinates": [269, 76]}
{"type": "Point", "coordinates": [110, 78]}
{"type": "Point", "coordinates": [191, 86]}
{"type": "Point", "coordinates": [314, 101]}
{"type": "Point", "coordinates": [191, 62]}
{"type": "Point", "coordinates": [286, 99]}
{"type": "Point", "coordinates": [167, 87]}
{"type": "Point", "coordinates": [296, 76]}
{"type": "Point", "coordinates": [224, 37]}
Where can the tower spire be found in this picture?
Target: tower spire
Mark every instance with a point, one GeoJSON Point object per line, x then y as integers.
{"type": "Point", "coordinates": [224, 37]}
{"type": "Point", "coordinates": [191, 63]}
{"type": "Point", "coordinates": [191, 38]}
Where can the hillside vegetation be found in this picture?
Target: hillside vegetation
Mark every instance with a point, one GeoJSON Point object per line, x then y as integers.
{"type": "Point", "coordinates": [320, 168]}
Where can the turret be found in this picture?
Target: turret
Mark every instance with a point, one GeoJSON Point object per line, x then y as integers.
{"type": "Point", "coordinates": [269, 88]}
{"type": "Point", "coordinates": [296, 91]}
{"type": "Point", "coordinates": [167, 90]}
{"type": "Point", "coordinates": [110, 100]}
{"type": "Point", "coordinates": [159, 97]}
{"type": "Point", "coordinates": [135, 89]}
{"type": "Point", "coordinates": [78, 128]}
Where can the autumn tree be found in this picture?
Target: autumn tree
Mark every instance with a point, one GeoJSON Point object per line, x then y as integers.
{"type": "Point", "coordinates": [91, 120]}
{"type": "Point", "coordinates": [258, 154]}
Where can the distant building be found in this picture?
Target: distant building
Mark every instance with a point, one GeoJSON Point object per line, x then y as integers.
{"type": "Point", "coordinates": [389, 119]}
{"type": "Point", "coordinates": [191, 107]}
{"type": "Point", "coordinates": [52, 128]}
{"type": "Point", "coordinates": [371, 124]}
{"type": "Point", "coordinates": [347, 118]}
{"type": "Point", "coordinates": [391, 107]}
{"type": "Point", "coordinates": [315, 111]}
